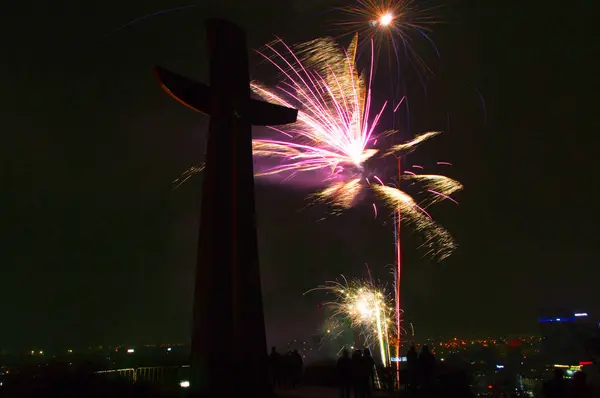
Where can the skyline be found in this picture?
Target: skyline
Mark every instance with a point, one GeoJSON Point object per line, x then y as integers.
{"type": "Point", "coordinates": [179, 347]}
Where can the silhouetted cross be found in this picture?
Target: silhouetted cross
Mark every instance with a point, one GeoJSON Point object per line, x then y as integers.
{"type": "Point", "coordinates": [229, 353]}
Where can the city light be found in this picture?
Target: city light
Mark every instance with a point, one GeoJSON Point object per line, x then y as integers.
{"type": "Point", "coordinates": [570, 370]}
{"type": "Point", "coordinates": [561, 319]}
{"type": "Point", "coordinates": [499, 366]}
{"type": "Point", "coordinates": [130, 350]}
{"type": "Point", "coordinates": [579, 314]}
{"type": "Point", "coordinates": [184, 384]}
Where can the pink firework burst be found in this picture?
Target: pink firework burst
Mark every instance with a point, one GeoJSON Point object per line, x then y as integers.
{"type": "Point", "coordinates": [336, 132]}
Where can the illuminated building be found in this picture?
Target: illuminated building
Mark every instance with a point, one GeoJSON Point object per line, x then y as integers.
{"type": "Point", "coordinates": [567, 337]}
{"type": "Point", "coordinates": [568, 369]}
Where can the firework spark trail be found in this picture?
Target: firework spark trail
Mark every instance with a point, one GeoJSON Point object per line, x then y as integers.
{"type": "Point", "coordinates": [366, 307]}
{"type": "Point", "coordinates": [148, 16]}
{"type": "Point", "coordinates": [408, 147]}
{"type": "Point", "coordinates": [441, 195]}
{"type": "Point", "coordinates": [437, 239]}
{"type": "Point", "coordinates": [399, 103]}
{"type": "Point", "coordinates": [342, 193]}
{"type": "Point", "coordinates": [186, 175]}
{"type": "Point", "coordinates": [440, 186]}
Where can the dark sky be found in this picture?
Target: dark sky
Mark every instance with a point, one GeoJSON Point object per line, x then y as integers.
{"type": "Point", "coordinates": [96, 247]}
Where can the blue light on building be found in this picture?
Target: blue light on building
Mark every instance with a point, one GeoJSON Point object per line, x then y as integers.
{"type": "Point", "coordinates": [576, 316]}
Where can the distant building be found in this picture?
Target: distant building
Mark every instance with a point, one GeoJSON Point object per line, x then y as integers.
{"type": "Point", "coordinates": [568, 337]}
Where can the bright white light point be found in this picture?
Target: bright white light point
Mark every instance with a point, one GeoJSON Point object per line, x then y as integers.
{"type": "Point", "coordinates": [184, 384]}
{"type": "Point", "coordinates": [386, 19]}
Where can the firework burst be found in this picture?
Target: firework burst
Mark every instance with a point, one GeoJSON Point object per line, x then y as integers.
{"type": "Point", "coordinates": [366, 307]}
{"type": "Point", "coordinates": [335, 135]}
{"type": "Point", "coordinates": [333, 127]}
{"type": "Point", "coordinates": [393, 25]}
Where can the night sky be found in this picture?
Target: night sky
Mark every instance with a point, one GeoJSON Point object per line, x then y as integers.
{"type": "Point", "coordinates": [97, 247]}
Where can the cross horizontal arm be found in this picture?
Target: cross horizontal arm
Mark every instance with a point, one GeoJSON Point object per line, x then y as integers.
{"type": "Point", "coordinates": [198, 96]}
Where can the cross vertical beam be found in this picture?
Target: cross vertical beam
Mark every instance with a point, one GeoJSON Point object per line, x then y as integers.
{"type": "Point", "coordinates": [229, 353]}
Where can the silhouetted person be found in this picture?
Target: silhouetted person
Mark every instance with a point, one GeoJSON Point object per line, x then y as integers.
{"type": "Point", "coordinates": [287, 369]}
{"type": "Point", "coordinates": [297, 365]}
{"type": "Point", "coordinates": [387, 377]}
{"type": "Point", "coordinates": [557, 387]}
{"type": "Point", "coordinates": [580, 388]}
{"type": "Point", "coordinates": [358, 374]}
{"type": "Point", "coordinates": [426, 367]}
{"type": "Point", "coordinates": [344, 374]}
{"type": "Point", "coordinates": [275, 367]}
{"type": "Point", "coordinates": [412, 362]}
{"type": "Point", "coordinates": [369, 364]}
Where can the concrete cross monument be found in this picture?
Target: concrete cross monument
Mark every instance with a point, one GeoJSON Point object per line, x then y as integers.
{"type": "Point", "coordinates": [228, 353]}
